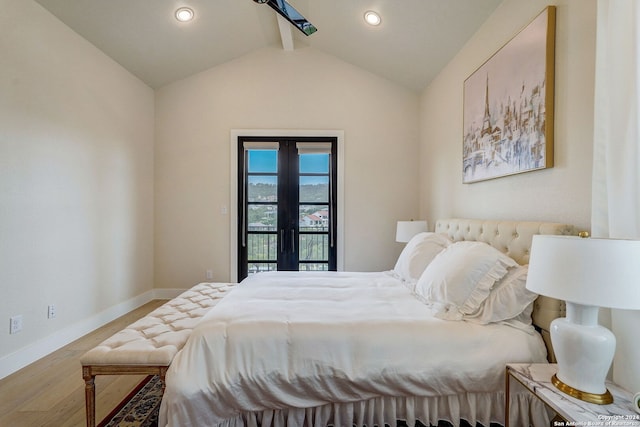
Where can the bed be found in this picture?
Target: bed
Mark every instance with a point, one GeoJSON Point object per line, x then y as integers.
{"type": "Point", "coordinates": [365, 349]}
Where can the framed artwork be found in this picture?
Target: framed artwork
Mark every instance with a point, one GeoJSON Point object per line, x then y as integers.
{"type": "Point", "coordinates": [508, 106]}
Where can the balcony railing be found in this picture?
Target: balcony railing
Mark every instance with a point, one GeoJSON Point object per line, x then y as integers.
{"type": "Point", "coordinates": [313, 247]}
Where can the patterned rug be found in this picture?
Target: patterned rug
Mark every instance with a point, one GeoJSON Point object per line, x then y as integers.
{"type": "Point", "coordinates": [140, 408]}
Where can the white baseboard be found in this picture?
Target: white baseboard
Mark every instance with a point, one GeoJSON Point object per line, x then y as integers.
{"type": "Point", "coordinates": [25, 356]}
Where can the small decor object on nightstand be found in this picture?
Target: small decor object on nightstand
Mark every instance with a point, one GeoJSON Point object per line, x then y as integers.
{"type": "Point", "coordinates": [587, 273]}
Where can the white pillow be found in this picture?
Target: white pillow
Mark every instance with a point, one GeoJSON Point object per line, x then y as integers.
{"type": "Point", "coordinates": [459, 278]}
{"type": "Point", "coordinates": [418, 253]}
{"type": "Point", "coordinates": [507, 300]}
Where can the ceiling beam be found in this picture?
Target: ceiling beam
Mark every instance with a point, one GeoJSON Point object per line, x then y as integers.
{"type": "Point", "coordinates": [285, 33]}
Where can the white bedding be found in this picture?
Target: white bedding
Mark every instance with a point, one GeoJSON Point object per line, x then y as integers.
{"type": "Point", "coordinates": [304, 340]}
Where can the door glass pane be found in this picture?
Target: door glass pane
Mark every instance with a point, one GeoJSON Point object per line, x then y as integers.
{"type": "Point", "coordinates": [262, 247]}
{"type": "Point", "coordinates": [314, 247]}
{"type": "Point", "coordinates": [309, 266]}
{"type": "Point", "coordinates": [262, 188]}
{"type": "Point", "coordinates": [262, 217]}
{"type": "Point", "coordinates": [314, 163]}
{"type": "Point", "coordinates": [263, 161]}
{"type": "Point", "coordinates": [256, 267]}
{"type": "Point", "coordinates": [314, 218]}
{"type": "Point", "coordinates": [314, 189]}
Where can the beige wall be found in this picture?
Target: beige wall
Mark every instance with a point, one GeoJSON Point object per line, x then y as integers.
{"type": "Point", "coordinates": [562, 193]}
{"type": "Point", "coordinates": [76, 181]}
{"type": "Point", "coordinates": [274, 89]}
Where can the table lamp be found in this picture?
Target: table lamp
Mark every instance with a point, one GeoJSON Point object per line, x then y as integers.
{"type": "Point", "coordinates": [587, 273]}
{"type": "Point", "coordinates": [407, 229]}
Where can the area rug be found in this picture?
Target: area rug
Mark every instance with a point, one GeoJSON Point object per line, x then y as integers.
{"type": "Point", "coordinates": [140, 408]}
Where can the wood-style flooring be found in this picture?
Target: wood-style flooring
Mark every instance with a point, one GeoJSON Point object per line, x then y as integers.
{"type": "Point", "coordinates": [50, 391]}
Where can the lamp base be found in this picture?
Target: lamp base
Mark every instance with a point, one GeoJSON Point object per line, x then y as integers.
{"type": "Point", "coordinates": [600, 399]}
{"type": "Point", "coordinates": [584, 351]}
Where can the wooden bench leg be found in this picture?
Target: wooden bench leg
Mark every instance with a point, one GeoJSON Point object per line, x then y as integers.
{"type": "Point", "coordinates": [89, 396]}
{"type": "Point", "coordinates": [162, 373]}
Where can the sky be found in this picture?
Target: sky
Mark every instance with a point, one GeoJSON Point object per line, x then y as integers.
{"type": "Point", "coordinates": [267, 161]}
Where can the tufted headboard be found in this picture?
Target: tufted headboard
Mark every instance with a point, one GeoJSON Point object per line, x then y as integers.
{"type": "Point", "coordinates": [514, 239]}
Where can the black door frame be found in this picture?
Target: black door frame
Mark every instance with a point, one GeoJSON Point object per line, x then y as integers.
{"type": "Point", "coordinates": [288, 231]}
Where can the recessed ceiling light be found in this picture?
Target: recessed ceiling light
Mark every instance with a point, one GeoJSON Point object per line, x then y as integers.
{"type": "Point", "coordinates": [184, 14]}
{"type": "Point", "coordinates": [372, 18]}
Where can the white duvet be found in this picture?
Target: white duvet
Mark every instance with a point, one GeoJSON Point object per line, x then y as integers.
{"type": "Point", "coordinates": [302, 340]}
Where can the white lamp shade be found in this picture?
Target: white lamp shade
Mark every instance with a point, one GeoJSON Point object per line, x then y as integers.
{"type": "Point", "coordinates": [587, 271]}
{"type": "Point", "coordinates": [407, 229]}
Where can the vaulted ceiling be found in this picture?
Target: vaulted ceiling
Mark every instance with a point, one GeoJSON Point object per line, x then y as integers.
{"type": "Point", "coordinates": [414, 41]}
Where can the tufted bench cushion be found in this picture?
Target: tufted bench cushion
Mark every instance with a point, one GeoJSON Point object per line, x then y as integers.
{"type": "Point", "coordinates": [149, 345]}
{"type": "Point", "coordinates": [156, 338]}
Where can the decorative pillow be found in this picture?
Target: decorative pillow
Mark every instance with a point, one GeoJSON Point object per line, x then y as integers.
{"type": "Point", "coordinates": [522, 321]}
{"type": "Point", "coordinates": [418, 253]}
{"type": "Point", "coordinates": [508, 299]}
{"type": "Point", "coordinates": [459, 278]}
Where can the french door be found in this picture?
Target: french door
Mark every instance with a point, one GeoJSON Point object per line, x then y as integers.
{"type": "Point", "coordinates": [286, 204]}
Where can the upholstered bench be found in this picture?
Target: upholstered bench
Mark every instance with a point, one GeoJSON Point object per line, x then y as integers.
{"type": "Point", "coordinates": [148, 346]}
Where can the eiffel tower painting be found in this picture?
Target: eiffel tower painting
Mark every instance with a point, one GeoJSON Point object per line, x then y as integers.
{"type": "Point", "coordinates": [508, 106]}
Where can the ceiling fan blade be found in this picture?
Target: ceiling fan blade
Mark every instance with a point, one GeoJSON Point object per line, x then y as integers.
{"type": "Point", "coordinates": [292, 15]}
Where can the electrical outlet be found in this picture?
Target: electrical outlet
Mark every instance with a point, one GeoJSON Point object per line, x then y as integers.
{"type": "Point", "coordinates": [51, 311]}
{"type": "Point", "coordinates": [15, 324]}
{"type": "Point", "coordinates": [209, 274]}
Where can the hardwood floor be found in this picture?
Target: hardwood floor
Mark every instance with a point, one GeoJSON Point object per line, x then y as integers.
{"type": "Point", "coordinates": [50, 391]}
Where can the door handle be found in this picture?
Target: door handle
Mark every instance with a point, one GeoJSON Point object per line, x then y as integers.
{"type": "Point", "coordinates": [293, 240]}
{"type": "Point", "coordinates": [282, 240]}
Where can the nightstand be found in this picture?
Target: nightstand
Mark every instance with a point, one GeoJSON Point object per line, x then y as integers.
{"type": "Point", "coordinates": [536, 379]}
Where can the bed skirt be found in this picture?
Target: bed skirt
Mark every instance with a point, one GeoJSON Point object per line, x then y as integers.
{"type": "Point", "coordinates": [475, 408]}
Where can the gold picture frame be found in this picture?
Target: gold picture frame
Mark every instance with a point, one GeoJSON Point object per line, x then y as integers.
{"type": "Point", "coordinates": [508, 106]}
